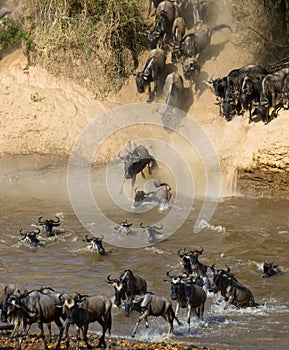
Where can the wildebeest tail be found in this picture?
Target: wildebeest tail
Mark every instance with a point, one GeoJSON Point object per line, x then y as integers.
{"type": "Point", "coordinates": [220, 27]}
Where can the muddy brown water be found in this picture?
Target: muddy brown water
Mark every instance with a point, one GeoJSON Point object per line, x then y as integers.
{"type": "Point", "coordinates": [242, 233]}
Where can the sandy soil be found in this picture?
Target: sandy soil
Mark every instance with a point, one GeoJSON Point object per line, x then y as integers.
{"type": "Point", "coordinates": [44, 115]}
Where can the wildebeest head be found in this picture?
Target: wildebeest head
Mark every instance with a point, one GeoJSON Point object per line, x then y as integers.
{"type": "Point", "coordinates": [194, 257]}
{"type": "Point", "coordinates": [49, 224]}
{"type": "Point", "coordinates": [30, 237]}
{"type": "Point", "coordinates": [269, 269]}
{"type": "Point", "coordinates": [219, 283]}
{"type": "Point", "coordinates": [152, 231]}
{"type": "Point", "coordinates": [95, 244]}
{"type": "Point", "coordinates": [219, 86]}
{"type": "Point", "coordinates": [70, 306]}
{"type": "Point", "coordinates": [119, 292]}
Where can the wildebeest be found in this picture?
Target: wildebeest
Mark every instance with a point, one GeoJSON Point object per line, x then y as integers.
{"type": "Point", "coordinates": [229, 88]}
{"type": "Point", "coordinates": [123, 227]}
{"type": "Point", "coordinates": [153, 305]}
{"type": "Point", "coordinates": [173, 92]}
{"type": "Point", "coordinates": [232, 290]}
{"type": "Point", "coordinates": [95, 244]}
{"type": "Point", "coordinates": [155, 3]}
{"type": "Point", "coordinates": [191, 68]}
{"type": "Point", "coordinates": [166, 13]}
{"type": "Point", "coordinates": [136, 161]}
{"type": "Point", "coordinates": [188, 295]}
{"type": "Point", "coordinates": [40, 308]}
{"type": "Point", "coordinates": [151, 73]}
{"type": "Point", "coordinates": [196, 42]}
{"type": "Point", "coordinates": [6, 290]}
{"type": "Point", "coordinates": [49, 224]}
{"type": "Point", "coordinates": [152, 231]}
{"type": "Point", "coordinates": [270, 269]}
{"type": "Point", "coordinates": [30, 238]}
{"type": "Point", "coordinates": [178, 29]}
{"type": "Point", "coordinates": [191, 262]}
{"type": "Point", "coordinates": [83, 310]}
{"type": "Point", "coordinates": [160, 195]}
{"type": "Point", "coordinates": [126, 287]}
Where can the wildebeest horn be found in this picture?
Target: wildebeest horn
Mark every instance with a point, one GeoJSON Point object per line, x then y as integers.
{"type": "Point", "coordinates": [21, 232]}
{"type": "Point", "coordinates": [182, 252]}
{"type": "Point", "coordinates": [141, 225]}
{"type": "Point", "coordinates": [200, 251]}
{"type": "Point", "coordinates": [39, 220]}
{"type": "Point", "coordinates": [109, 280]}
{"type": "Point", "coordinates": [168, 274]}
{"type": "Point", "coordinates": [226, 271]}
{"type": "Point", "coordinates": [87, 239]}
{"type": "Point", "coordinates": [121, 157]}
{"type": "Point", "coordinates": [58, 220]}
{"type": "Point", "coordinates": [158, 227]}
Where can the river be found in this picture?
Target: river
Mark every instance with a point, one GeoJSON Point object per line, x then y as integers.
{"type": "Point", "coordinates": [241, 233]}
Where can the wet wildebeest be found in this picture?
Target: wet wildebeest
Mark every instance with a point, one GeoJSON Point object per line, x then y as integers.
{"type": "Point", "coordinates": [188, 295]}
{"type": "Point", "coordinates": [83, 310]}
{"type": "Point", "coordinates": [126, 287]}
{"type": "Point", "coordinates": [165, 15]}
{"type": "Point", "coordinates": [196, 42]}
{"type": "Point", "coordinates": [123, 227]}
{"type": "Point", "coordinates": [49, 224]}
{"type": "Point", "coordinates": [160, 196]}
{"type": "Point", "coordinates": [152, 231]}
{"type": "Point", "coordinates": [6, 290]}
{"type": "Point", "coordinates": [233, 291]}
{"type": "Point", "coordinates": [151, 73]}
{"type": "Point", "coordinates": [191, 262]}
{"type": "Point", "coordinates": [30, 238]}
{"type": "Point", "coordinates": [173, 92]}
{"type": "Point", "coordinates": [136, 161]}
{"type": "Point", "coordinates": [154, 305]}
{"type": "Point", "coordinates": [270, 269]}
{"type": "Point", "coordinates": [95, 244]}
{"type": "Point", "coordinates": [40, 308]}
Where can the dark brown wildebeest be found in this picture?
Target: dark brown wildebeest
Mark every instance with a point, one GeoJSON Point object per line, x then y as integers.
{"type": "Point", "coordinates": [152, 231]}
{"type": "Point", "coordinates": [232, 290]}
{"type": "Point", "coordinates": [188, 295]}
{"type": "Point", "coordinates": [30, 238]}
{"type": "Point", "coordinates": [151, 73]}
{"type": "Point", "coordinates": [49, 224]}
{"type": "Point", "coordinates": [173, 92]}
{"type": "Point", "coordinates": [160, 196]}
{"type": "Point", "coordinates": [136, 161]}
{"type": "Point", "coordinates": [83, 310]}
{"type": "Point", "coordinates": [270, 269]}
{"type": "Point", "coordinates": [126, 287]}
{"type": "Point", "coordinates": [154, 305]}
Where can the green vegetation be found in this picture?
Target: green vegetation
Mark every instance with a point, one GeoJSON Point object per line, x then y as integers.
{"type": "Point", "coordinates": [12, 33]}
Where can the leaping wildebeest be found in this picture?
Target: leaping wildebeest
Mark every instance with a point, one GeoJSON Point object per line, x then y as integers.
{"type": "Point", "coordinates": [83, 310]}
{"type": "Point", "coordinates": [126, 287]}
{"type": "Point", "coordinates": [48, 225]}
{"type": "Point", "coordinates": [154, 305]}
{"type": "Point", "coordinates": [151, 73]}
{"type": "Point", "coordinates": [95, 244]}
{"type": "Point", "coordinates": [136, 161]}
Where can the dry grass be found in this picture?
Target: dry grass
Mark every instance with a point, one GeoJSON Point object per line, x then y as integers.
{"type": "Point", "coordinates": [94, 42]}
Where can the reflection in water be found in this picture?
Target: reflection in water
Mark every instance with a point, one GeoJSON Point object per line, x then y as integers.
{"type": "Point", "coordinates": [242, 234]}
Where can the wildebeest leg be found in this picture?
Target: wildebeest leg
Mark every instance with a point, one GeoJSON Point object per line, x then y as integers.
{"type": "Point", "coordinates": [189, 316]}
{"type": "Point", "coordinates": [177, 309]}
{"type": "Point", "coordinates": [102, 342]}
{"type": "Point", "coordinates": [61, 330]}
{"type": "Point", "coordinates": [42, 335]}
{"type": "Point", "coordinates": [170, 321]}
{"type": "Point", "coordinates": [84, 330]}
{"type": "Point", "coordinates": [143, 316]}
{"type": "Point", "coordinates": [143, 174]}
